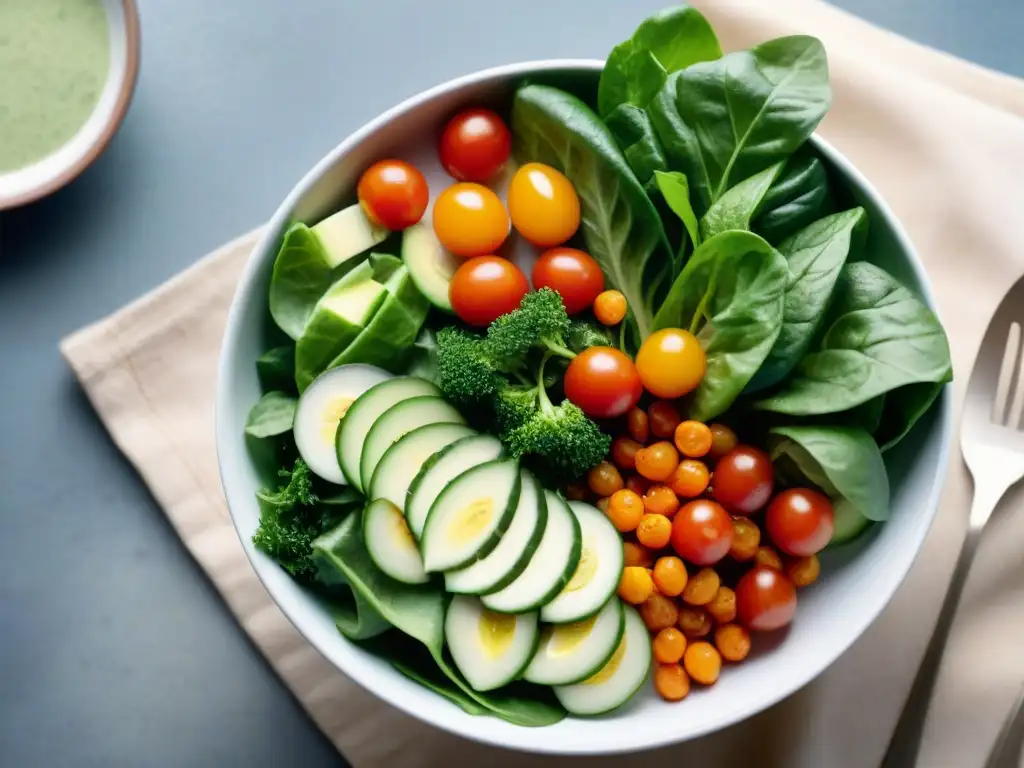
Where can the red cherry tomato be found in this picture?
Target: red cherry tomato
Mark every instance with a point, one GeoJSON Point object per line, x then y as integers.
{"type": "Point", "coordinates": [702, 532]}
{"type": "Point", "coordinates": [765, 599]}
{"type": "Point", "coordinates": [475, 145]}
{"type": "Point", "coordinates": [800, 521]}
{"type": "Point", "coordinates": [571, 273]}
{"type": "Point", "coordinates": [393, 194]}
{"type": "Point", "coordinates": [486, 287]}
{"type": "Point", "coordinates": [603, 382]}
{"type": "Point", "coordinates": [743, 479]}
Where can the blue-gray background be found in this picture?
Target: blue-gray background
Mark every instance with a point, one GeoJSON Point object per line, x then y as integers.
{"type": "Point", "coordinates": [114, 649]}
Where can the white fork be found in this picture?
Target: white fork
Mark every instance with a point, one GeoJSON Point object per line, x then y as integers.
{"type": "Point", "coordinates": [992, 444]}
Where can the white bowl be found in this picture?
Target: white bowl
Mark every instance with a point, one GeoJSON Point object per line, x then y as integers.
{"type": "Point", "coordinates": [857, 582]}
{"type": "Point", "coordinates": [50, 173]}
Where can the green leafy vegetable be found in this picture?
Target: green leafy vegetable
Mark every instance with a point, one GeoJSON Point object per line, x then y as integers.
{"type": "Point", "coordinates": [583, 335]}
{"type": "Point", "coordinates": [291, 518]}
{"type": "Point", "coordinates": [423, 357]}
{"type": "Point", "coordinates": [417, 612]}
{"type": "Point", "coordinates": [878, 337]}
{"type": "Point", "coordinates": [903, 408]}
{"type": "Point", "coordinates": [798, 197]}
{"type": "Point", "coordinates": [815, 256]}
{"type": "Point", "coordinates": [301, 276]}
{"type": "Point", "coordinates": [843, 462]}
{"type": "Point", "coordinates": [738, 205]}
{"type": "Point", "coordinates": [667, 41]}
{"type": "Point", "coordinates": [632, 129]}
{"type": "Point", "coordinates": [276, 369]}
{"type": "Point", "coordinates": [272, 415]}
{"type": "Point", "coordinates": [676, 192]}
{"type": "Point", "coordinates": [725, 120]}
{"type": "Point", "coordinates": [730, 294]}
{"type": "Point", "coordinates": [620, 224]}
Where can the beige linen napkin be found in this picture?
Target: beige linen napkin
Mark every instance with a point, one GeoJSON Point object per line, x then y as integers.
{"type": "Point", "coordinates": [943, 141]}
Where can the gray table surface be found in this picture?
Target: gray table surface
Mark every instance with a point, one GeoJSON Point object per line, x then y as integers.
{"type": "Point", "coordinates": [114, 648]}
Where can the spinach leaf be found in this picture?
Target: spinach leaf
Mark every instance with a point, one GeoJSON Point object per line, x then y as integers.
{"type": "Point", "coordinates": [798, 197]}
{"type": "Point", "coordinates": [634, 134]}
{"type": "Point", "coordinates": [272, 415]}
{"type": "Point", "coordinates": [676, 191]}
{"type": "Point", "coordinates": [738, 205]}
{"type": "Point", "coordinates": [726, 120]}
{"type": "Point", "coordinates": [669, 40]}
{"type": "Point", "coordinates": [843, 462]}
{"type": "Point", "coordinates": [903, 408]}
{"type": "Point", "coordinates": [423, 357]}
{"type": "Point", "coordinates": [878, 337]}
{"type": "Point", "coordinates": [276, 369]}
{"type": "Point", "coordinates": [619, 222]}
{"type": "Point", "coordinates": [815, 256]}
{"type": "Point", "coordinates": [378, 601]}
{"type": "Point", "coordinates": [301, 276]}
{"type": "Point", "coordinates": [730, 294]}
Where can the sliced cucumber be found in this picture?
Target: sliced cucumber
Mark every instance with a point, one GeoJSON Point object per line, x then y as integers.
{"type": "Point", "coordinates": [321, 406]}
{"type": "Point", "coordinates": [570, 653]}
{"type": "Point", "coordinates": [440, 469]}
{"type": "Point", "coordinates": [390, 544]}
{"type": "Point", "coordinates": [621, 677]}
{"type": "Point", "coordinates": [430, 266]}
{"type": "Point", "coordinates": [596, 576]}
{"type": "Point", "coordinates": [490, 649]}
{"type": "Point", "coordinates": [365, 411]}
{"type": "Point", "coordinates": [849, 522]}
{"type": "Point", "coordinates": [513, 553]}
{"type": "Point", "coordinates": [404, 459]}
{"type": "Point", "coordinates": [468, 518]}
{"type": "Point", "coordinates": [398, 421]}
{"type": "Point", "coordinates": [553, 562]}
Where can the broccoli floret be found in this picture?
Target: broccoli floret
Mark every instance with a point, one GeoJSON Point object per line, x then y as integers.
{"type": "Point", "coordinates": [289, 521]}
{"type": "Point", "coordinates": [540, 322]}
{"type": "Point", "coordinates": [513, 407]}
{"type": "Point", "coordinates": [560, 435]}
{"type": "Point", "coordinates": [583, 335]}
{"type": "Point", "coordinates": [465, 369]}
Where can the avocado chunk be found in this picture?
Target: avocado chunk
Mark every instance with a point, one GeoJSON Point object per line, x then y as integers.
{"type": "Point", "coordinates": [346, 234]}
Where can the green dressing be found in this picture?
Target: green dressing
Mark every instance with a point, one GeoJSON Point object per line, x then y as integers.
{"type": "Point", "coordinates": [54, 59]}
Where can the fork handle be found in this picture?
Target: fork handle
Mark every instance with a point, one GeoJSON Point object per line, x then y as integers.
{"type": "Point", "coordinates": [906, 739]}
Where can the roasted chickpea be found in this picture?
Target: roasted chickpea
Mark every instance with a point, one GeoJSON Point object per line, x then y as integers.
{"type": "Point", "coordinates": [638, 484]}
{"type": "Point", "coordinates": [702, 662]}
{"type": "Point", "coordinates": [694, 621]}
{"type": "Point", "coordinates": [661, 500]}
{"type": "Point", "coordinates": [602, 504]}
{"type": "Point", "coordinates": [669, 645]}
{"type": "Point", "coordinates": [690, 478]}
{"type": "Point", "coordinates": [803, 571]}
{"type": "Point", "coordinates": [657, 461]}
{"type": "Point", "coordinates": [733, 642]}
{"type": "Point", "coordinates": [671, 682]}
{"type": "Point", "coordinates": [746, 539]}
{"type": "Point", "coordinates": [635, 585]}
{"type": "Point", "coordinates": [701, 587]}
{"type": "Point", "coordinates": [637, 554]}
{"type": "Point", "coordinates": [723, 605]}
{"type": "Point", "coordinates": [659, 612]}
{"type": "Point", "coordinates": [654, 531]}
{"type": "Point", "coordinates": [577, 492]}
{"type": "Point", "coordinates": [638, 425]}
{"type": "Point", "coordinates": [625, 508]}
{"type": "Point", "coordinates": [768, 556]}
{"type": "Point", "coordinates": [604, 479]}
{"type": "Point", "coordinates": [623, 452]}
{"type": "Point", "coordinates": [670, 576]}
{"type": "Point", "coordinates": [663, 418]}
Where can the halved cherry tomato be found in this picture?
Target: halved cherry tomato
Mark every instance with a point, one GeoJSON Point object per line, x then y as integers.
{"type": "Point", "coordinates": [572, 274]}
{"type": "Point", "coordinates": [671, 363]}
{"type": "Point", "coordinates": [486, 287]}
{"type": "Point", "coordinates": [470, 220]}
{"type": "Point", "coordinates": [743, 479]}
{"type": "Point", "coordinates": [702, 532]}
{"type": "Point", "coordinates": [800, 521]}
{"type": "Point", "coordinates": [603, 382]}
{"type": "Point", "coordinates": [544, 206]}
{"type": "Point", "coordinates": [475, 145]}
{"type": "Point", "coordinates": [393, 194]}
{"type": "Point", "coordinates": [765, 599]}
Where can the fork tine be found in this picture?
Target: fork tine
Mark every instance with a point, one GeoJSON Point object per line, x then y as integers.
{"type": "Point", "coordinates": [1008, 374]}
{"type": "Point", "coordinates": [1016, 390]}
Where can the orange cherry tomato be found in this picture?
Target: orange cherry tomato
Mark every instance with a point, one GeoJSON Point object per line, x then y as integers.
{"type": "Point", "coordinates": [610, 307]}
{"type": "Point", "coordinates": [486, 287]}
{"type": "Point", "coordinates": [393, 194]}
{"type": "Point", "coordinates": [702, 532]}
{"type": "Point", "coordinates": [800, 521]}
{"type": "Point", "coordinates": [544, 205]}
{"type": "Point", "coordinates": [603, 382]}
{"type": "Point", "coordinates": [743, 479]}
{"type": "Point", "coordinates": [475, 145]}
{"type": "Point", "coordinates": [572, 274]}
{"type": "Point", "coordinates": [765, 599]}
{"type": "Point", "coordinates": [470, 220]}
{"type": "Point", "coordinates": [671, 363]}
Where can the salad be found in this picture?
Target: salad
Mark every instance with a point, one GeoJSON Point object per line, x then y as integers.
{"type": "Point", "coordinates": [534, 486]}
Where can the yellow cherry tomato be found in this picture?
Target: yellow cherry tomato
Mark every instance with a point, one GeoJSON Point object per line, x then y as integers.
{"type": "Point", "coordinates": [671, 363]}
{"type": "Point", "coordinates": [543, 204]}
{"type": "Point", "coordinates": [470, 220]}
